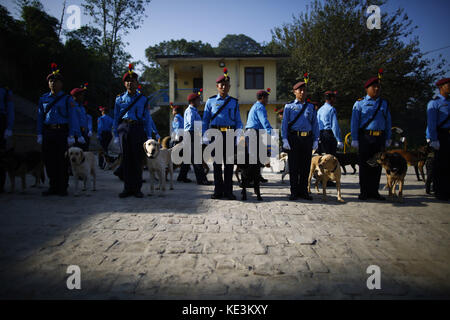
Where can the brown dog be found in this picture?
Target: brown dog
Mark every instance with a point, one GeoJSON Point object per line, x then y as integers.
{"type": "Point", "coordinates": [415, 158]}
{"type": "Point", "coordinates": [396, 168]}
{"type": "Point", "coordinates": [324, 168]}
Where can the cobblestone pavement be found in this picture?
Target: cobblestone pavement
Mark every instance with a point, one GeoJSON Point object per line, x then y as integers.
{"type": "Point", "coordinates": [185, 245]}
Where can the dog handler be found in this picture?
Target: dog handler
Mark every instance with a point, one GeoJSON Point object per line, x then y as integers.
{"type": "Point", "coordinates": [300, 134]}
{"type": "Point", "coordinates": [133, 124]}
{"type": "Point", "coordinates": [78, 95]}
{"type": "Point", "coordinates": [330, 134]}
{"type": "Point", "coordinates": [6, 124]}
{"type": "Point", "coordinates": [104, 135]}
{"type": "Point", "coordinates": [57, 127]}
{"type": "Point", "coordinates": [222, 113]}
{"type": "Point", "coordinates": [438, 130]}
{"type": "Point", "coordinates": [371, 133]}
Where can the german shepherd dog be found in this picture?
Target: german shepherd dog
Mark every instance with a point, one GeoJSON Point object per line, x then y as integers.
{"type": "Point", "coordinates": [19, 164]}
{"type": "Point", "coordinates": [395, 166]}
{"type": "Point", "coordinates": [250, 176]}
{"type": "Point", "coordinates": [414, 158]}
{"type": "Point", "coordinates": [345, 159]}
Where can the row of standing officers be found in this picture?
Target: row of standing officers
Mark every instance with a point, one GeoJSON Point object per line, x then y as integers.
{"type": "Point", "coordinates": [62, 121]}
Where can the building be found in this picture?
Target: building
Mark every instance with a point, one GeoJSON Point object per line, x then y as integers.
{"type": "Point", "coordinates": [249, 74]}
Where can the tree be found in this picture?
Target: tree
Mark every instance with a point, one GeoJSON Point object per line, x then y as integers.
{"type": "Point", "coordinates": [157, 76]}
{"type": "Point", "coordinates": [89, 36]}
{"type": "Point", "coordinates": [238, 44]}
{"type": "Point", "coordinates": [115, 19]}
{"type": "Point", "coordinates": [332, 43]}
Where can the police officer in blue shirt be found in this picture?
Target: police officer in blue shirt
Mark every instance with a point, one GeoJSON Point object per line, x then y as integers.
{"type": "Point", "coordinates": [330, 134]}
{"type": "Point", "coordinates": [104, 133]}
{"type": "Point", "coordinates": [57, 127]}
{"type": "Point", "coordinates": [257, 120]}
{"type": "Point", "coordinates": [371, 133]}
{"type": "Point", "coordinates": [222, 113]}
{"type": "Point", "coordinates": [177, 137]}
{"type": "Point", "coordinates": [78, 95]}
{"type": "Point", "coordinates": [132, 122]}
{"type": "Point", "coordinates": [191, 116]}
{"type": "Point", "coordinates": [6, 124]}
{"type": "Point", "coordinates": [300, 134]}
{"type": "Point", "coordinates": [438, 131]}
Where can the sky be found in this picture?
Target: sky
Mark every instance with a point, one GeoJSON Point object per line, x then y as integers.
{"type": "Point", "coordinates": [210, 21]}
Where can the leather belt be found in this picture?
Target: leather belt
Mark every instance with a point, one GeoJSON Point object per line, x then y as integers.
{"type": "Point", "coordinates": [223, 128]}
{"type": "Point", "coordinates": [301, 133]}
{"type": "Point", "coordinates": [131, 121]}
{"type": "Point", "coordinates": [374, 133]}
{"type": "Point", "coordinates": [57, 126]}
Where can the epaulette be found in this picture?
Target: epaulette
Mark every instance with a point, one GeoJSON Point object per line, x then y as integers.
{"type": "Point", "coordinates": [435, 98]}
{"type": "Point", "coordinates": [213, 96]}
{"type": "Point", "coordinates": [234, 98]}
{"type": "Point", "coordinates": [360, 99]}
{"type": "Point", "coordinates": [291, 102]}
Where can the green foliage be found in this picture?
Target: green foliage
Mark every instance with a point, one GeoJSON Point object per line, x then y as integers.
{"type": "Point", "coordinates": [238, 44]}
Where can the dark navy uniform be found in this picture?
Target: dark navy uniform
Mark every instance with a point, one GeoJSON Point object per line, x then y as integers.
{"type": "Point", "coordinates": [6, 124]}
{"type": "Point", "coordinates": [228, 118]}
{"type": "Point", "coordinates": [104, 134]}
{"type": "Point", "coordinates": [302, 135]}
{"type": "Point", "coordinates": [133, 128]}
{"type": "Point", "coordinates": [330, 133]}
{"type": "Point", "coordinates": [370, 140]}
{"type": "Point", "coordinates": [438, 131]}
{"type": "Point", "coordinates": [55, 126]}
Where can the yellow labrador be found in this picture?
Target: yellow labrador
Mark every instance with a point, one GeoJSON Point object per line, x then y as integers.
{"type": "Point", "coordinates": [158, 159]}
{"type": "Point", "coordinates": [83, 165]}
{"type": "Point", "coordinates": [324, 168]}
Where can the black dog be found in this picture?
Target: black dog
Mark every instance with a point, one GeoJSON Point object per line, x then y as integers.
{"type": "Point", "coordinates": [250, 177]}
{"type": "Point", "coordinates": [345, 159]}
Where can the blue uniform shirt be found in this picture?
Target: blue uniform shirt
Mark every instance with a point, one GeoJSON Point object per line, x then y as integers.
{"type": "Point", "coordinates": [177, 123]}
{"type": "Point", "coordinates": [306, 122]}
{"type": "Point", "coordinates": [327, 118]}
{"type": "Point", "coordinates": [89, 122]}
{"type": "Point", "coordinates": [437, 112]}
{"type": "Point", "coordinates": [64, 111]}
{"type": "Point", "coordinates": [363, 110]}
{"type": "Point", "coordinates": [191, 115]}
{"type": "Point", "coordinates": [229, 116]}
{"type": "Point", "coordinates": [7, 107]}
{"type": "Point", "coordinates": [257, 118]}
{"type": "Point", "coordinates": [139, 111]}
{"type": "Point", "coordinates": [82, 115]}
{"type": "Point", "coordinates": [104, 123]}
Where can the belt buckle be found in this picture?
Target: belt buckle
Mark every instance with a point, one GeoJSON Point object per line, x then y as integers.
{"type": "Point", "coordinates": [223, 129]}
{"type": "Point", "coordinates": [303, 133]}
{"type": "Point", "coordinates": [376, 133]}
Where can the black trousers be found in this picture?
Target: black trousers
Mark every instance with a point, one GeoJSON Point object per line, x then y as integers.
{"type": "Point", "coordinates": [105, 140]}
{"type": "Point", "coordinates": [2, 148]}
{"type": "Point", "coordinates": [54, 147]}
{"type": "Point", "coordinates": [198, 168]}
{"type": "Point", "coordinates": [132, 137]}
{"type": "Point", "coordinates": [223, 179]}
{"type": "Point", "coordinates": [441, 166]}
{"type": "Point", "coordinates": [369, 177]}
{"type": "Point", "coordinates": [299, 158]}
{"type": "Point", "coordinates": [328, 142]}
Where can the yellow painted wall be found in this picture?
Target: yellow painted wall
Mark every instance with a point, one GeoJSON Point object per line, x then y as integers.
{"type": "Point", "coordinates": [236, 70]}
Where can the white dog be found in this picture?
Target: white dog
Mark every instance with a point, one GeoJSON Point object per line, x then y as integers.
{"type": "Point", "coordinates": [158, 159]}
{"type": "Point", "coordinates": [83, 165]}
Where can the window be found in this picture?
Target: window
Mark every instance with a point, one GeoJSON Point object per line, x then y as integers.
{"type": "Point", "coordinates": [254, 78]}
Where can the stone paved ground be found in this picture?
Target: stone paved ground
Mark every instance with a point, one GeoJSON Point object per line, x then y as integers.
{"type": "Point", "coordinates": [185, 245]}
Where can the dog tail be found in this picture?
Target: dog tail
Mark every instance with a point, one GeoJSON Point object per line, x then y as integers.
{"type": "Point", "coordinates": [165, 142]}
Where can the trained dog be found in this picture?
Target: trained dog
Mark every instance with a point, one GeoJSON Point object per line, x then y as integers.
{"type": "Point", "coordinates": [19, 164]}
{"type": "Point", "coordinates": [158, 159]}
{"type": "Point", "coordinates": [324, 168]}
{"type": "Point", "coordinates": [83, 165]}
{"type": "Point", "coordinates": [415, 158]}
{"type": "Point", "coordinates": [395, 166]}
{"type": "Point", "coordinates": [345, 159]}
